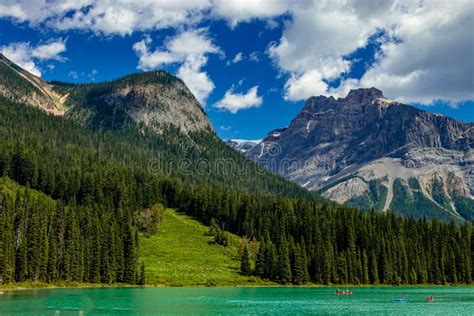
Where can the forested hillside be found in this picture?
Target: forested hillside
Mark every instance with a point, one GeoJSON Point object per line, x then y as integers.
{"type": "Point", "coordinates": [304, 241]}
{"type": "Point", "coordinates": [46, 240]}
{"type": "Point", "coordinates": [93, 183]}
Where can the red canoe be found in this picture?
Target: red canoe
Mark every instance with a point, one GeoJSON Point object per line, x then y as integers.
{"type": "Point", "coordinates": [344, 292]}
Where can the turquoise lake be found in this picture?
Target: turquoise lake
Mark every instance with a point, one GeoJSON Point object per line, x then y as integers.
{"type": "Point", "coordinates": [233, 301]}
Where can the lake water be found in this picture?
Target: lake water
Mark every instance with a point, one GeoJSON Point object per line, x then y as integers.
{"type": "Point", "coordinates": [231, 301]}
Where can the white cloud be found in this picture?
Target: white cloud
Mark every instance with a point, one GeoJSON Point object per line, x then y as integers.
{"type": "Point", "coordinates": [50, 51]}
{"type": "Point", "coordinates": [190, 49]}
{"type": "Point", "coordinates": [431, 60]}
{"type": "Point", "coordinates": [26, 56]}
{"type": "Point", "coordinates": [272, 24]}
{"type": "Point", "coordinates": [254, 57]}
{"type": "Point", "coordinates": [73, 74]}
{"type": "Point", "coordinates": [20, 54]}
{"type": "Point", "coordinates": [197, 81]}
{"type": "Point", "coordinates": [312, 46]}
{"type": "Point", "coordinates": [435, 58]}
{"type": "Point", "coordinates": [92, 74]}
{"type": "Point", "coordinates": [238, 57]}
{"type": "Point", "coordinates": [234, 102]}
{"type": "Point", "coordinates": [236, 11]}
{"type": "Point", "coordinates": [152, 60]}
{"type": "Point", "coordinates": [106, 16]}
{"type": "Point", "coordinates": [304, 86]}
{"type": "Point", "coordinates": [14, 10]}
{"type": "Point", "coordinates": [124, 17]}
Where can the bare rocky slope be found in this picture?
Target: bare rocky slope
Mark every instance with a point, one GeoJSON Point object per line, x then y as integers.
{"type": "Point", "coordinates": [371, 152]}
{"type": "Point", "coordinates": [153, 99]}
{"type": "Point", "coordinates": [17, 84]}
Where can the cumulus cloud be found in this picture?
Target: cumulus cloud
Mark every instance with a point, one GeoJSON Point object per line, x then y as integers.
{"type": "Point", "coordinates": [433, 59]}
{"type": "Point", "coordinates": [430, 58]}
{"type": "Point", "coordinates": [236, 11]}
{"type": "Point", "coordinates": [26, 56]}
{"type": "Point", "coordinates": [106, 16]}
{"type": "Point", "coordinates": [190, 49]}
{"type": "Point", "coordinates": [124, 17]}
{"type": "Point", "coordinates": [313, 45]}
{"type": "Point", "coordinates": [35, 11]}
{"type": "Point", "coordinates": [50, 51]}
{"type": "Point", "coordinates": [234, 102]}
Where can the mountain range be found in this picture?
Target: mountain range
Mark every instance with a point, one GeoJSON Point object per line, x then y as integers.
{"type": "Point", "coordinates": [375, 153]}
{"type": "Point", "coordinates": [363, 150]}
{"type": "Point", "coordinates": [89, 172]}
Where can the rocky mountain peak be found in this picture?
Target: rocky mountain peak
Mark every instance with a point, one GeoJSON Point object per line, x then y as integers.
{"type": "Point", "coordinates": [154, 99]}
{"type": "Point", "coordinates": [363, 95]}
{"type": "Point", "coordinates": [365, 149]}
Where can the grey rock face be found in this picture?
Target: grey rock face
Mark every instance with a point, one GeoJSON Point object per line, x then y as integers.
{"type": "Point", "coordinates": [155, 102]}
{"type": "Point", "coordinates": [368, 136]}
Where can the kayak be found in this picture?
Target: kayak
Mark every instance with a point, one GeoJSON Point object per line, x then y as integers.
{"type": "Point", "coordinates": [344, 292]}
{"type": "Point", "coordinates": [430, 299]}
{"type": "Point", "coordinates": [401, 300]}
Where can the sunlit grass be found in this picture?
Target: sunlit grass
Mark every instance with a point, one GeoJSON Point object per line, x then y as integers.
{"type": "Point", "coordinates": [182, 254]}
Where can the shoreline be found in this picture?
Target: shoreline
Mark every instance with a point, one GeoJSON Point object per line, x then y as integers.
{"type": "Point", "coordinates": [46, 286]}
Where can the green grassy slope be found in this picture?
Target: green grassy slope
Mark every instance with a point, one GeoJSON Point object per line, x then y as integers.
{"type": "Point", "coordinates": [182, 254]}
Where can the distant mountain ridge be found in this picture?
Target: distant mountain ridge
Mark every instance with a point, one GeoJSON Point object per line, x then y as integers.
{"type": "Point", "coordinates": [372, 152]}
{"type": "Point", "coordinates": [243, 145]}
{"type": "Point", "coordinates": [153, 99]}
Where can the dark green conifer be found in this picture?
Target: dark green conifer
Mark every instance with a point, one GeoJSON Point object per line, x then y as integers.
{"type": "Point", "coordinates": [245, 264]}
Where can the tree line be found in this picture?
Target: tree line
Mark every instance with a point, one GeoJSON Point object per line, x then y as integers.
{"type": "Point", "coordinates": [304, 240]}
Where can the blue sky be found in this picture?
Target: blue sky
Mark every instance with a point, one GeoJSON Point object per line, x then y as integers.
{"type": "Point", "coordinates": [253, 66]}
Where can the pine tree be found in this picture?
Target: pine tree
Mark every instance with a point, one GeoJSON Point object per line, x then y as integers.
{"type": "Point", "coordinates": [327, 263]}
{"type": "Point", "coordinates": [374, 268]}
{"type": "Point", "coordinates": [365, 268]}
{"type": "Point", "coordinates": [21, 219]}
{"type": "Point", "coordinates": [245, 265]}
{"type": "Point", "coordinates": [283, 265]}
{"type": "Point", "coordinates": [130, 260]}
{"type": "Point", "coordinates": [260, 260]}
{"type": "Point", "coordinates": [300, 272]}
{"type": "Point", "coordinates": [141, 278]}
{"type": "Point", "coordinates": [270, 271]}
